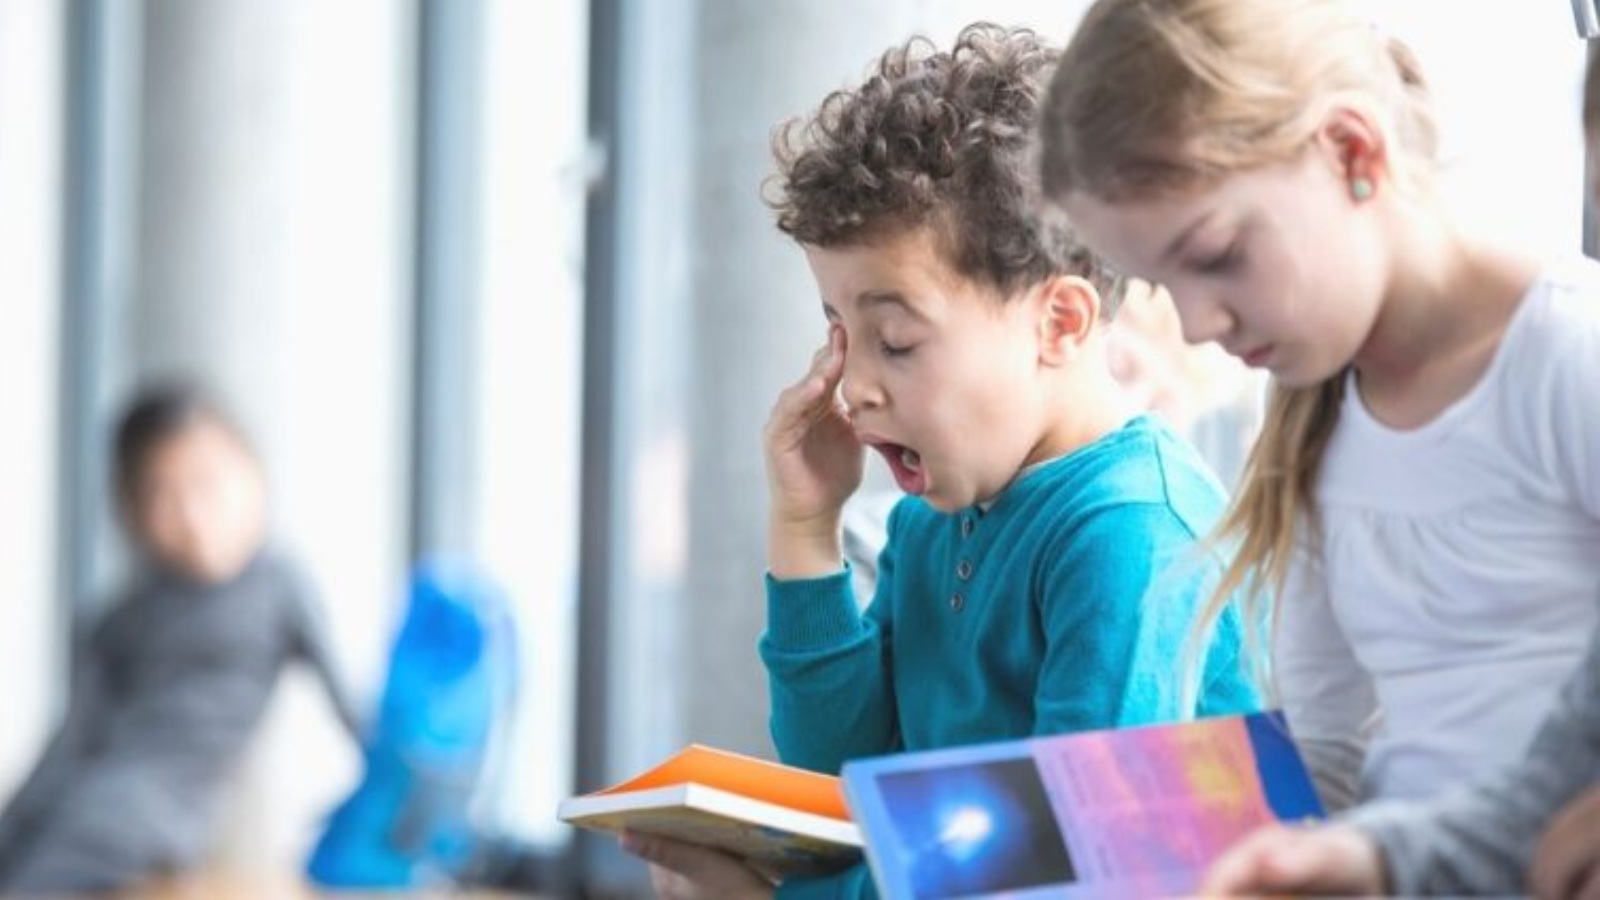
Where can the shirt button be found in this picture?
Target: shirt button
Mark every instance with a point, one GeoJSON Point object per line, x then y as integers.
{"type": "Point", "coordinates": [964, 570]}
{"type": "Point", "coordinates": [966, 526]}
{"type": "Point", "coordinates": [958, 602]}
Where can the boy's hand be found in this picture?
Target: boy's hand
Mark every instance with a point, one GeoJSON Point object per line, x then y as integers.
{"type": "Point", "coordinates": [1566, 865]}
{"type": "Point", "coordinates": [680, 871]}
{"type": "Point", "coordinates": [1333, 859]}
{"type": "Point", "coordinates": [814, 464]}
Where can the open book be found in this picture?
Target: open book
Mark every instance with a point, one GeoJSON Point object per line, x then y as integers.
{"type": "Point", "coordinates": [784, 821]}
{"type": "Point", "coordinates": [1137, 812]}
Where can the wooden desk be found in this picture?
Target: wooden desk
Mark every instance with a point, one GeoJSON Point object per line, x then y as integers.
{"type": "Point", "coordinates": [271, 887]}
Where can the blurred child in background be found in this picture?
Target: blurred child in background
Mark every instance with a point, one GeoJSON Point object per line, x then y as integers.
{"type": "Point", "coordinates": [167, 689]}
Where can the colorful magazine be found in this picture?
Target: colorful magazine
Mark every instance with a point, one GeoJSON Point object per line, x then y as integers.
{"type": "Point", "coordinates": [1136, 812]}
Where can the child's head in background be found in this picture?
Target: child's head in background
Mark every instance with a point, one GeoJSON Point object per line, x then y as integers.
{"type": "Point", "coordinates": [191, 491]}
{"type": "Point", "coordinates": [967, 315]}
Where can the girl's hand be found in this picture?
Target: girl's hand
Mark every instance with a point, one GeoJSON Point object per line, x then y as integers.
{"type": "Point", "coordinates": [814, 464]}
{"type": "Point", "coordinates": [680, 871]}
{"type": "Point", "coordinates": [1566, 865]}
{"type": "Point", "coordinates": [1332, 859]}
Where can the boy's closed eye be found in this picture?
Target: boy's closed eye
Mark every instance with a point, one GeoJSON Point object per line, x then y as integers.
{"type": "Point", "coordinates": [894, 351]}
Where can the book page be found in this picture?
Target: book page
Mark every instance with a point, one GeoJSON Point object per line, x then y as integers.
{"type": "Point", "coordinates": [1136, 812]}
{"type": "Point", "coordinates": [776, 851]}
{"type": "Point", "coordinates": [1153, 800]}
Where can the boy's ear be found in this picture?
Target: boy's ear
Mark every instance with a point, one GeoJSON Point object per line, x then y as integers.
{"type": "Point", "coordinates": [1069, 312]}
{"type": "Point", "coordinates": [1357, 148]}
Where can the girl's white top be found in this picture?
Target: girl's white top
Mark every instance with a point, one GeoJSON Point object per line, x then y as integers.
{"type": "Point", "coordinates": [1457, 577]}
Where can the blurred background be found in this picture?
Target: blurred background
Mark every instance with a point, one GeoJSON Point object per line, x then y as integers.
{"type": "Point", "coordinates": [492, 278]}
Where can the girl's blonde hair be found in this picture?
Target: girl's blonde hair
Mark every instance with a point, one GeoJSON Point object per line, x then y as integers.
{"type": "Point", "coordinates": [1154, 96]}
{"type": "Point", "coordinates": [1160, 96]}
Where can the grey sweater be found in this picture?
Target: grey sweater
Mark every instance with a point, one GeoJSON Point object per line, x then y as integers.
{"type": "Point", "coordinates": [165, 693]}
{"type": "Point", "coordinates": [1480, 839]}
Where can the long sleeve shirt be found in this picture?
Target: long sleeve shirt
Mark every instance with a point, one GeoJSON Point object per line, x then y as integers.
{"type": "Point", "coordinates": [1452, 582]}
{"type": "Point", "coordinates": [1066, 605]}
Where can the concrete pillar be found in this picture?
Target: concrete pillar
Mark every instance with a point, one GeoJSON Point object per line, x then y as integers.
{"type": "Point", "coordinates": [31, 103]}
{"type": "Point", "coordinates": [213, 217]}
{"type": "Point", "coordinates": [273, 245]}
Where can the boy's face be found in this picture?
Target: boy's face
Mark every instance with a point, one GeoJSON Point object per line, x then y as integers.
{"type": "Point", "coordinates": [940, 376]}
{"type": "Point", "coordinates": [199, 504]}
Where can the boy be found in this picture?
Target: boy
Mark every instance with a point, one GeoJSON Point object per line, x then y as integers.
{"type": "Point", "coordinates": [1034, 578]}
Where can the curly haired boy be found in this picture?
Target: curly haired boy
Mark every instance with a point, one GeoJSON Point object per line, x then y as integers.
{"type": "Point", "coordinates": [1042, 572]}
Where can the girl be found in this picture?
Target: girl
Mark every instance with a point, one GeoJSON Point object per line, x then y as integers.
{"type": "Point", "coordinates": [1480, 839]}
{"type": "Point", "coordinates": [1424, 498]}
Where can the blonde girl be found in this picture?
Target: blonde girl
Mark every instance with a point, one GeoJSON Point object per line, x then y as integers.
{"type": "Point", "coordinates": [1424, 498]}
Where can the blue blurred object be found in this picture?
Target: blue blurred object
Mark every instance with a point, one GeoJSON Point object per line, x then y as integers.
{"type": "Point", "coordinates": [447, 699]}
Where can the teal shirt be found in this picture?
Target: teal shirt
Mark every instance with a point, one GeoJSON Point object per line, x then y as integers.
{"type": "Point", "coordinates": [1065, 606]}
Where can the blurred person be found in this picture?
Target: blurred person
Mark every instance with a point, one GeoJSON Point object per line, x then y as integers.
{"type": "Point", "coordinates": [1205, 395]}
{"type": "Point", "coordinates": [168, 687]}
{"type": "Point", "coordinates": [1160, 371]}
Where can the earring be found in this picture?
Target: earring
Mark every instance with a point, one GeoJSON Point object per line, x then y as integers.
{"type": "Point", "coordinates": [1360, 189]}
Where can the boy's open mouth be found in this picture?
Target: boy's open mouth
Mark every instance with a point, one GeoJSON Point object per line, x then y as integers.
{"type": "Point", "coordinates": [906, 465]}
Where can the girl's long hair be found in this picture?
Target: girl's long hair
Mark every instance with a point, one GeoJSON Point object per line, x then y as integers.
{"type": "Point", "coordinates": [1153, 97]}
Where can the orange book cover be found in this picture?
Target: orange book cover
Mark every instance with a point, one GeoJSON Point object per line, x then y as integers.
{"type": "Point", "coordinates": [785, 821]}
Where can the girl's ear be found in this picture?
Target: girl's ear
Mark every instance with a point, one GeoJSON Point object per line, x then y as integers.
{"type": "Point", "coordinates": [1357, 149]}
{"type": "Point", "coordinates": [1069, 312]}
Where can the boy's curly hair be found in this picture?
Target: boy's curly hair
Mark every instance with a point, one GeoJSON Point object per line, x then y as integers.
{"type": "Point", "coordinates": [943, 140]}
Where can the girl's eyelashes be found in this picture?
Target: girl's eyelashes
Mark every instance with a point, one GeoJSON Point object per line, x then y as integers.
{"type": "Point", "coordinates": [1219, 263]}
{"type": "Point", "coordinates": [894, 351]}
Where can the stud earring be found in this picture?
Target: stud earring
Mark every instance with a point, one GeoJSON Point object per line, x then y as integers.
{"type": "Point", "coordinates": [1360, 189]}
